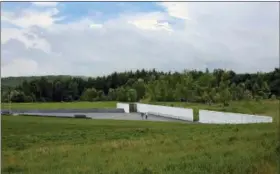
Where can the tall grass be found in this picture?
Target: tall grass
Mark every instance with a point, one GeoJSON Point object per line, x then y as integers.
{"type": "Point", "coordinates": [51, 145]}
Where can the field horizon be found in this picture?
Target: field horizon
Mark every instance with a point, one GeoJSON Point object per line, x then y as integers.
{"type": "Point", "coordinates": [262, 107]}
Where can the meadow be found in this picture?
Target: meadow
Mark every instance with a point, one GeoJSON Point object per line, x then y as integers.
{"type": "Point", "coordinates": [60, 105]}
{"type": "Point", "coordinates": [64, 145]}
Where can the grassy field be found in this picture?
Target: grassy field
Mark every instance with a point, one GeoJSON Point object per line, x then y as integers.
{"type": "Point", "coordinates": [60, 105]}
{"type": "Point", "coordinates": [58, 145]}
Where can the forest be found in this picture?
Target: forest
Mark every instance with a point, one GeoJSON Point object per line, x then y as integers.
{"type": "Point", "coordinates": [217, 86]}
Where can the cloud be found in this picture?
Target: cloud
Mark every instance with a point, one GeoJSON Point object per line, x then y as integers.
{"type": "Point", "coordinates": [27, 38]}
{"type": "Point", "coordinates": [176, 9]}
{"type": "Point", "coordinates": [150, 21]}
{"type": "Point", "coordinates": [21, 65]}
{"type": "Point", "coordinates": [29, 17]}
{"type": "Point", "coordinates": [96, 26]}
{"type": "Point", "coordinates": [174, 36]}
{"type": "Point", "coordinates": [45, 4]}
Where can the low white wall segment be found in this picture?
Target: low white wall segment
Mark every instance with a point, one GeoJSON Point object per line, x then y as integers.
{"type": "Point", "coordinates": [215, 117]}
{"type": "Point", "coordinates": [166, 111]}
{"type": "Point", "coordinates": [124, 106]}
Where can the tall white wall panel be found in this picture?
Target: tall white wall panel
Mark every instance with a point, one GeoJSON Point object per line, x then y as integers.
{"type": "Point", "coordinates": [166, 111]}
{"type": "Point", "coordinates": [214, 117]}
{"type": "Point", "coordinates": [124, 106]}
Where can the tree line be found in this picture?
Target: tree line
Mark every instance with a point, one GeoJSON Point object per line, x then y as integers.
{"type": "Point", "coordinates": [218, 86]}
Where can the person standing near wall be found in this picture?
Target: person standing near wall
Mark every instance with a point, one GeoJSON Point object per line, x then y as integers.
{"type": "Point", "coordinates": [146, 115]}
{"type": "Point", "coordinates": [142, 115]}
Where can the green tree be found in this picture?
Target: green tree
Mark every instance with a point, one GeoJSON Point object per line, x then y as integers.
{"type": "Point", "coordinates": [248, 95]}
{"type": "Point", "coordinates": [17, 96]}
{"type": "Point", "coordinates": [89, 95]}
{"type": "Point", "coordinates": [217, 98]}
{"type": "Point", "coordinates": [139, 86]}
{"type": "Point", "coordinates": [225, 96]}
{"type": "Point", "coordinates": [112, 94]}
{"type": "Point", "coordinates": [131, 95]}
{"type": "Point", "coordinates": [121, 94]}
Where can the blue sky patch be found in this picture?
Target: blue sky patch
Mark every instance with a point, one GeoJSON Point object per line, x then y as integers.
{"type": "Point", "coordinates": [98, 11]}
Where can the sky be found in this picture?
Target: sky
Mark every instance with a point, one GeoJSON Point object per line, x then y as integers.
{"type": "Point", "coordinates": [98, 38]}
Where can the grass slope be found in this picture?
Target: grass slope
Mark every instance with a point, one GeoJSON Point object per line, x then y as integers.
{"type": "Point", "coordinates": [55, 145]}
{"type": "Point", "coordinates": [60, 105]}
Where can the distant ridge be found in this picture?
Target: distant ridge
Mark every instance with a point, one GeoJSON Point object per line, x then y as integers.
{"type": "Point", "coordinates": [14, 81]}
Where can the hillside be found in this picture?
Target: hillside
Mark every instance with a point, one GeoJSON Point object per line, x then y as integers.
{"type": "Point", "coordinates": [15, 81]}
{"type": "Point", "coordinates": [218, 86]}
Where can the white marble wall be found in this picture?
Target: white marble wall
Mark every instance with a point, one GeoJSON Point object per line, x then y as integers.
{"type": "Point", "coordinates": [166, 111]}
{"type": "Point", "coordinates": [124, 106]}
{"type": "Point", "coordinates": [215, 117]}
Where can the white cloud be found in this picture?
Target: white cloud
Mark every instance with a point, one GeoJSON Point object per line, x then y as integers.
{"type": "Point", "coordinates": [176, 9]}
{"type": "Point", "coordinates": [45, 4]}
{"type": "Point", "coordinates": [29, 39]}
{"type": "Point", "coordinates": [30, 17]}
{"type": "Point", "coordinates": [19, 67]}
{"type": "Point", "coordinates": [243, 37]}
{"type": "Point", "coordinates": [96, 26]}
{"type": "Point", "coordinates": [150, 21]}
